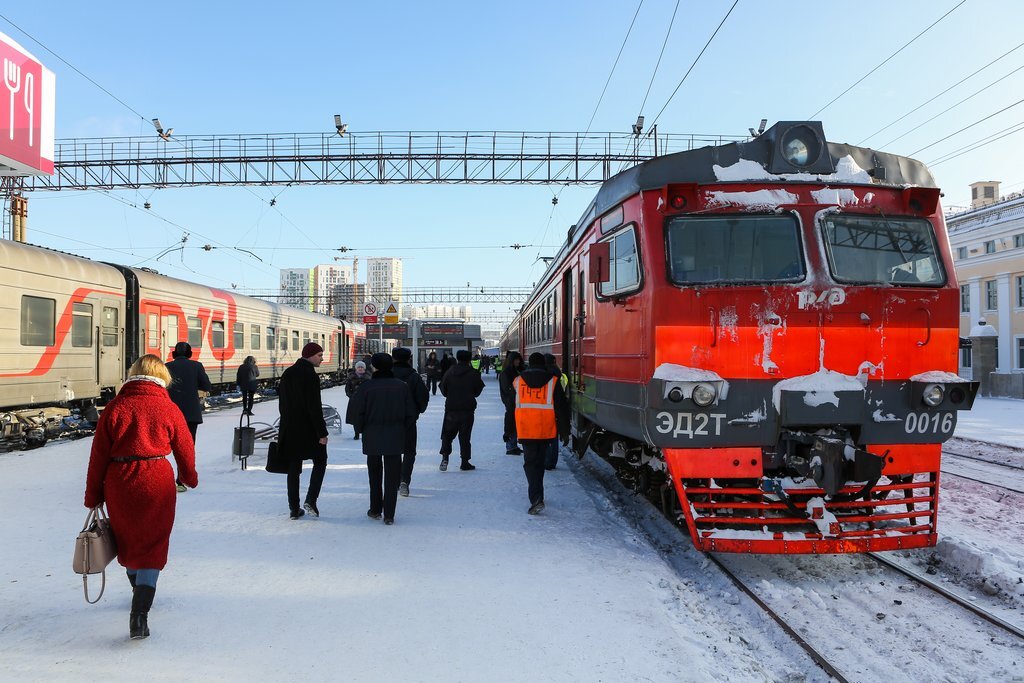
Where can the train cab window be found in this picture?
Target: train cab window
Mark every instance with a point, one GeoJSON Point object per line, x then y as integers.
{"type": "Point", "coordinates": [239, 335]}
{"type": "Point", "coordinates": [217, 329]}
{"type": "Point", "coordinates": [195, 333]}
{"type": "Point", "coordinates": [717, 249]}
{"type": "Point", "coordinates": [110, 326]}
{"type": "Point", "coordinates": [883, 250]}
{"type": "Point", "coordinates": [38, 317]}
{"type": "Point", "coordinates": [295, 340]}
{"type": "Point", "coordinates": [624, 264]}
{"type": "Point", "coordinates": [270, 339]}
{"type": "Point", "coordinates": [254, 337]}
{"type": "Point", "coordinates": [81, 325]}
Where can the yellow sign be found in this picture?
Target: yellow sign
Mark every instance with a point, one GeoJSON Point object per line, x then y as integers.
{"type": "Point", "coordinates": [391, 313]}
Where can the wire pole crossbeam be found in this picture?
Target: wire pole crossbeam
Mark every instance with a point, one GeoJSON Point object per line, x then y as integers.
{"type": "Point", "coordinates": [355, 158]}
{"type": "Point", "coordinates": [415, 295]}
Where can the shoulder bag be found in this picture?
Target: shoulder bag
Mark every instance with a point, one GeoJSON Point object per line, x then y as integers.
{"type": "Point", "coordinates": [95, 548]}
{"type": "Point", "coordinates": [277, 462]}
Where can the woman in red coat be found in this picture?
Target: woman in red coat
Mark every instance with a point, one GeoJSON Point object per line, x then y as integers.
{"type": "Point", "coordinates": [129, 471]}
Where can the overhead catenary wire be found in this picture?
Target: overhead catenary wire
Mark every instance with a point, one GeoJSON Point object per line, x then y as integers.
{"type": "Point", "coordinates": [967, 127]}
{"type": "Point", "coordinates": [1006, 132]}
{"type": "Point", "coordinates": [661, 54]}
{"type": "Point", "coordinates": [886, 60]}
{"type": "Point", "coordinates": [701, 54]}
{"type": "Point", "coordinates": [74, 68]}
{"type": "Point", "coordinates": [953, 106]}
{"type": "Point", "coordinates": [935, 97]}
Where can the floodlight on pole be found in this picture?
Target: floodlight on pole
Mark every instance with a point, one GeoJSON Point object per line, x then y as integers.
{"type": "Point", "coordinates": [165, 135]}
{"type": "Point", "coordinates": [638, 127]}
{"type": "Point", "coordinates": [341, 127]}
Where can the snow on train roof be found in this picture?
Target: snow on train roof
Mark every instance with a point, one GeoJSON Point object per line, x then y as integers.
{"type": "Point", "coordinates": [847, 171]}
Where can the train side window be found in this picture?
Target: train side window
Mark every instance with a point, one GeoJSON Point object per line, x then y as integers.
{"type": "Point", "coordinates": [295, 340]}
{"type": "Point", "coordinates": [254, 337]}
{"type": "Point", "coordinates": [283, 337]}
{"type": "Point", "coordinates": [110, 326]}
{"type": "Point", "coordinates": [218, 334]}
{"type": "Point", "coordinates": [270, 338]}
{"type": "Point", "coordinates": [239, 335]}
{"type": "Point", "coordinates": [38, 317]}
{"type": "Point", "coordinates": [81, 325]}
{"type": "Point", "coordinates": [305, 339]}
{"type": "Point", "coordinates": [195, 333]}
{"type": "Point", "coordinates": [624, 262]}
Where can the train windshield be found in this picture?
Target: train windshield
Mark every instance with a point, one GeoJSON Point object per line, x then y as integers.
{"type": "Point", "coordinates": [882, 249]}
{"type": "Point", "coordinates": [710, 249]}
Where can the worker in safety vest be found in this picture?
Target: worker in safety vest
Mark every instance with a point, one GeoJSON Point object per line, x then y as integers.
{"type": "Point", "coordinates": [475, 362]}
{"type": "Point", "coordinates": [542, 415]}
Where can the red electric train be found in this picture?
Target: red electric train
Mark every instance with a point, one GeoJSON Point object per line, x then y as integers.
{"type": "Point", "coordinates": [763, 337]}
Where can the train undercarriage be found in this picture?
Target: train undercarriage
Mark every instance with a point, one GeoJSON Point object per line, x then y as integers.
{"type": "Point", "coordinates": [812, 493]}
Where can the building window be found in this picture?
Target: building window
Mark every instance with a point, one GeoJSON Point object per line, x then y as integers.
{"type": "Point", "coordinates": [974, 193]}
{"type": "Point", "coordinates": [1018, 240]}
{"type": "Point", "coordinates": [195, 333]}
{"type": "Point", "coordinates": [1020, 291]}
{"type": "Point", "coordinates": [239, 335]}
{"type": "Point", "coordinates": [961, 253]}
{"type": "Point", "coordinates": [990, 192]}
{"type": "Point", "coordinates": [965, 298]}
{"type": "Point", "coordinates": [990, 247]}
{"type": "Point", "coordinates": [81, 325]}
{"type": "Point", "coordinates": [965, 358]}
{"type": "Point", "coordinates": [991, 296]}
{"type": "Point", "coordinates": [254, 337]}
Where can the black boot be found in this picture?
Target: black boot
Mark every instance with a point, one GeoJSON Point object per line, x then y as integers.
{"type": "Point", "coordinates": [138, 625]}
{"type": "Point", "coordinates": [131, 579]}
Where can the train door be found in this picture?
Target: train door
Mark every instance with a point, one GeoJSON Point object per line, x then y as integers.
{"type": "Point", "coordinates": [110, 360]}
{"type": "Point", "coordinates": [566, 323]}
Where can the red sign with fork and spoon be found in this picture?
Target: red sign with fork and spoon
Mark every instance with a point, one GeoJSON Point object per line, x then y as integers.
{"type": "Point", "coordinates": [26, 112]}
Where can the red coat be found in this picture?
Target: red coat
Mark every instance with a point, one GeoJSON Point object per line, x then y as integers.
{"type": "Point", "coordinates": [140, 495]}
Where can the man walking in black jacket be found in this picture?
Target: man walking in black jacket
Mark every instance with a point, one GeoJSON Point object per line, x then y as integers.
{"type": "Point", "coordinates": [421, 397]}
{"type": "Point", "coordinates": [302, 431]}
{"type": "Point", "coordinates": [383, 411]}
{"type": "Point", "coordinates": [188, 379]}
{"type": "Point", "coordinates": [460, 386]}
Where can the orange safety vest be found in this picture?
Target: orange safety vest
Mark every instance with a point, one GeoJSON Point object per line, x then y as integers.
{"type": "Point", "coordinates": [535, 410]}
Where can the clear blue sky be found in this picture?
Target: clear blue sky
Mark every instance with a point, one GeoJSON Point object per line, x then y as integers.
{"type": "Point", "coordinates": [258, 67]}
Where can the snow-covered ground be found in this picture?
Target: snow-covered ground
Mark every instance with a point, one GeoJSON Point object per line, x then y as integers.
{"type": "Point", "coordinates": [464, 587]}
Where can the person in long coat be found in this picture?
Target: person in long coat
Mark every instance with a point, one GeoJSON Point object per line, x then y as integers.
{"type": "Point", "coordinates": [383, 410]}
{"type": "Point", "coordinates": [189, 378]}
{"type": "Point", "coordinates": [352, 383]}
{"type": "Point", "coordinates": [433, 369]}
{"type": "Point", "coordinates": [404, 371]}
{"type": "Point", "coordinates": [302, 430]}
{"type": "Point", "coordinates": [246, 376]}
{"type": "Point", "coordinates": [510, 369]}
{"type": "Point", "coordinates": [129, 471]}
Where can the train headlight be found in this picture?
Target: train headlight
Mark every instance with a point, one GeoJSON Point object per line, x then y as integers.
{"type": "Point", "coordinates": [703, 395]}
{"type": "Point", "coordinates": [933, 395]}
{"type": "Point", "coordinates": [800, 146]}
{"type": "Point", "coordinates": [675, 394]}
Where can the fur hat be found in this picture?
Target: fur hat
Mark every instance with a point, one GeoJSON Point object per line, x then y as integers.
{"type": "Point", "coordinates": [463, 356]}
{"type": "Point", "coordinates": [537, 360]}
{"type": "Point", "coordinates": [382, 361]}
{"type": "Point", "coordinates": [401, 354]}
{"type": "Point", "coordinates": [182, 350]}
{"type": "Point", "coordinates": [311, 349]}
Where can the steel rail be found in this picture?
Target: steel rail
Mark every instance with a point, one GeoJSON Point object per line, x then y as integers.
{"type": "Point", "coordinates": [953, 597]}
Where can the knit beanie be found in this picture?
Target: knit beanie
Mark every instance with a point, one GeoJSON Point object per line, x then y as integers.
{"type": "Point", "coordinates": [311, 349]}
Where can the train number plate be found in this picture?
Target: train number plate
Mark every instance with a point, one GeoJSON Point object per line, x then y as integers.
{"type": "Point", "coordinates": [689, 424]}
{"type": "Point", "coordinates": [929, 423]}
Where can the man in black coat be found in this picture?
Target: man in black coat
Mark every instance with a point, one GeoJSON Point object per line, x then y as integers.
{"type": "Point", "coordinates": [460, 386]}
{"type": "Point", "coordinates": [189, 378]}
{"type": "Point", "coordinates": [383, 411]}
{"type": "Point", "coordinates": [404, 371]}
{"type": "Point", "coordinates": [302, 431]}
{"type": "Point", "coordinates": [510, 369]}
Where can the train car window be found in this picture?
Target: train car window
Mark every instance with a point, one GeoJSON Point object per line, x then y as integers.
{"type": "Point", "coordinates": [624, 264]}
{"type": "Point", "coordinates": [217, 329]}
{"type": "Point", "coordinates": [270, 339]}
{"type": "Point", "coordinates": [283, 337]}
{"type": "Point", "coordinates": [38, 317]}
{"type": "Point", "coordinates": [170, 330]}
{"type": "Point", "coordinates": [195, 333]}
{"type": "Point", "coordinates": [305, 339]}
{"type": "Point", "coordinates": [239, 335]}
{"type": "Point", "coordinates": [883, 250]}
{"type": "Point", "coordinates": [612, 220]}
{"type": "Point", "coordinates": [295, 340]}
{"type": "Point", "coordinates": [153, 331]}
{"type": "Point", "coordinates": [720, 249]}
{"type": "Point", "coordinates": [81, 325]}
{"type": "Point", "coordinates": [110, 325]}
{"type": "Point", "coordinates": [254, 337]}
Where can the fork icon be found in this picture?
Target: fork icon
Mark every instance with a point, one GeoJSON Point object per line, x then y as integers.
{"type": "Point", "coordinates": [12, 78]}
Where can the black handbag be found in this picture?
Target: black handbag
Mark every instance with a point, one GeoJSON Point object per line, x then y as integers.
{"type": "Point", "coordinates": [277, 462]}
